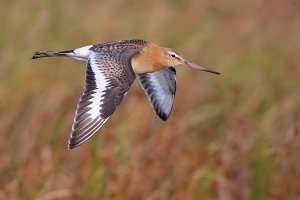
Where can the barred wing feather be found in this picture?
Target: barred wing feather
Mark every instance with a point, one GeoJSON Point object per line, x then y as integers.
{"type": "Point", "coordinates": [109, 75]}
{"type": "Point", "coordinates": [160, 87]}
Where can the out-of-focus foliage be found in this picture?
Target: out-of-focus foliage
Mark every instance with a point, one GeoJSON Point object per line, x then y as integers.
{"type": "Point", "coordinates": [233, 136]}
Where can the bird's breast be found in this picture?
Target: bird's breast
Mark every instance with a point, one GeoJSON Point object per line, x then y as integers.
{"type": "Point", "coordinates": [145, 61]}
{"type": "Point", "coordinates": [139, 66]}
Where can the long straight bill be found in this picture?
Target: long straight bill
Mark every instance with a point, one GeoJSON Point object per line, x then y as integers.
{"type": "Point", "coordinates": [195, 66]}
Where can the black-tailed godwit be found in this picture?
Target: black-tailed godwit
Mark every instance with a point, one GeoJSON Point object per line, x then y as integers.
{"type": "Point", "coordinates": [111, 69]}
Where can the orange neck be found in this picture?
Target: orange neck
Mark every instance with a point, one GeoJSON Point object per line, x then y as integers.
{"type": "Point", "coordinates": [148, 60]}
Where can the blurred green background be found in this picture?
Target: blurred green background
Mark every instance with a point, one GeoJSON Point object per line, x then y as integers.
{"type": "Point", "coordinates": [233, 136]}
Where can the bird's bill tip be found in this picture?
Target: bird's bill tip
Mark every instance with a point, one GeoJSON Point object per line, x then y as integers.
{"type": "Point", "coordinates": [195, 66]}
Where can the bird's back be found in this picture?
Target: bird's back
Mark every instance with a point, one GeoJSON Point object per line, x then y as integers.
{"type": "Point", "coordinates": [120, 45]}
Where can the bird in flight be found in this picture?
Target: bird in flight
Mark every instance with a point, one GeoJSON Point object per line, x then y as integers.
{"type": "Point", "coordinates": [111, 69]}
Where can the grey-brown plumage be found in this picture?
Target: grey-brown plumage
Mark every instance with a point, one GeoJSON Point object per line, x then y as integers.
{"type": "Point", "coordinates": [111, 69]}
{"type": "Point", "coordinates": [120, 45]}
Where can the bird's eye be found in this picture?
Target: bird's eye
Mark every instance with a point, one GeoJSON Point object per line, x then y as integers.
{"type": "Point", "coordinates": [173, 55]}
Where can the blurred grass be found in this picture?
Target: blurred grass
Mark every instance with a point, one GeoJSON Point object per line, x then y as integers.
{"type": "Point", "coordinates": [234, 136]}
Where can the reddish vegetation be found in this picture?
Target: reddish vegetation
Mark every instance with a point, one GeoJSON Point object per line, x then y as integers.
{"type": "Point", "coordinates": [233, 136]}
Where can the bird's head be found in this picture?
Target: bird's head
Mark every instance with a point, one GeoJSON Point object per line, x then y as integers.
{"type": "Point", "coordinates": [172, 57]}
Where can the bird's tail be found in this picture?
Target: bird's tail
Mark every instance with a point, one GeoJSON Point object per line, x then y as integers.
{"type": "Point", "coordinates": [50, 53]}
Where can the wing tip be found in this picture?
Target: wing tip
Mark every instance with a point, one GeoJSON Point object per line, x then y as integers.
{"type": "Point", "coordinates": [70, 147]}
{"type": "Point", "coordinates": [72, 144]}
{"type": "Point", "coordinates": [77, 140]}
{"type": "Point", "coordinates": [164, 119]}
{"type": "Point", "coordinates": [164, 116]}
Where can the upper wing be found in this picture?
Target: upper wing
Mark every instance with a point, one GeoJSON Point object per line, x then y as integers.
{"type": "Point", "coordinates": [160, 87]}
{"type": "Point", "coordinates": [108, 77]}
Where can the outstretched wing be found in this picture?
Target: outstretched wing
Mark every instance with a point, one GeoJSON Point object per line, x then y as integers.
{"type": "Point", "coordinates": [109, 75]}
{"type": "Point", "coordinates": [160, 87]}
